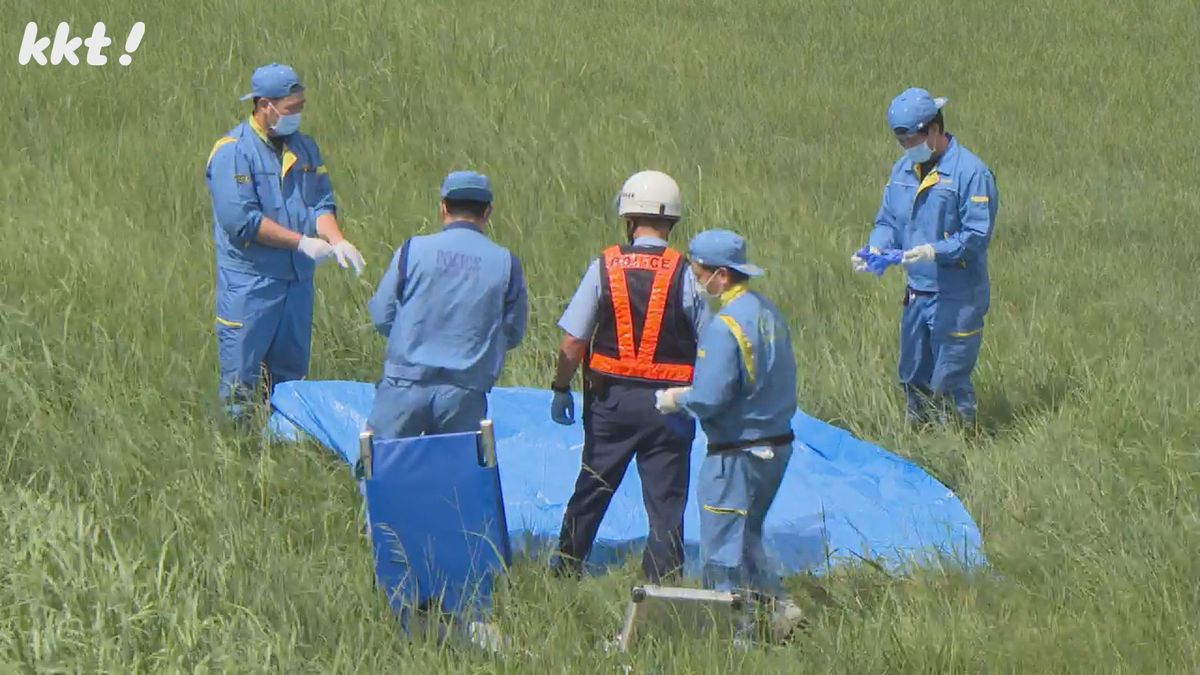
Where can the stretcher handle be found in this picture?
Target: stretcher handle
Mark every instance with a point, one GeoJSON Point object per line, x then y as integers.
{"type": "Point", "coordinates": [487, 444]}
{"type": "Point", "coordinates": [364, 453]}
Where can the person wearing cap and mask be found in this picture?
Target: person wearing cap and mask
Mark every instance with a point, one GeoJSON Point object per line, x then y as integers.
{"type": "Point", "coordinates": [452, 304]}
{"type": "Point", "coordinates": [632, 323]}
{"type": "Point", "coordinates": [274, 220]}
{"type": "Point", "coordinates": [939, 207]}
{"type": "Point", "coordinates": [744, 396]}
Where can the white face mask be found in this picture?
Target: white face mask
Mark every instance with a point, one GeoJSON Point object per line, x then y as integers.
{"type": "Point", "coordinates": [709, 295]}
{"type": "Point", "coordinates": [919, 153]}
{"type": "Point", "coordinates": [287, 124]}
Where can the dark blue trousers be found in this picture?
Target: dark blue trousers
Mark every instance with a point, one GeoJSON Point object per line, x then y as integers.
{"type": "Point", "coordinates": [619, 424]}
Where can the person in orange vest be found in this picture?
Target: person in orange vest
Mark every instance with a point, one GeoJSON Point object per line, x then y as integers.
{"type": "Point", "coordinates": [633, 322]}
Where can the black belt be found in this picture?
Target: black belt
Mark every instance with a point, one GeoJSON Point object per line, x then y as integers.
{"type": "Point", "coordinates": [914, 291]}
{"type": "Point", "coordinates": [717, 448]}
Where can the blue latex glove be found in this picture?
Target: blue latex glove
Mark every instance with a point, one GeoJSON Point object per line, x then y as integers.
{"type": "Point", "coordinates": [877, 263]}
{"type": "Point", "coordinates": [562, 409]}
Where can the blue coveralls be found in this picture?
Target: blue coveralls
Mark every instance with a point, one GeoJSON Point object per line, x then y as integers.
{"type": "Point", "coordinates": [621, 423]}
{"type": "Point", "coordinates": [744, 396]}
{"type": "Point", "coordinates": [953, 207]}
{"type": "Point", "coordinates": [264, 295]}
{"type": "Point", "coordinates": [452, 304]}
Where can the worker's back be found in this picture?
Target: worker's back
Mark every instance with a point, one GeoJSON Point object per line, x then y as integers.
{"type": "Point", "coordinates": [450, 325]}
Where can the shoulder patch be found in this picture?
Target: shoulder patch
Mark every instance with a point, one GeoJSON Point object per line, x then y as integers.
{"type": "Point", "coordinates": [241, 178]}
{"type": "Point", "coordinates": [980, 199]}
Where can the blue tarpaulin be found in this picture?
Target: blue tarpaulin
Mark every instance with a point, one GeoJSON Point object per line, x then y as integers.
{"type": "Point", "coordinates": [437, 526]}
{"type": "Point", "coordinates": [842, 499]}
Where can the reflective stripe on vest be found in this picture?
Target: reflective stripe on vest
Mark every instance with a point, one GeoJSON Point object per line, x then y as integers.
{"type": "Point", "coordinates": [638, 360]}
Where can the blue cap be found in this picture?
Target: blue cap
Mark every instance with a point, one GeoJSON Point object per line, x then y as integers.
{"type": "Point", "coordinates": [274, 80]}
{"type": "Point", "coordinates": [722, 248]}
{"type": "Point", "coordinates": [467, 185]}
{"type": "Point", "coordinates": [912, 110]}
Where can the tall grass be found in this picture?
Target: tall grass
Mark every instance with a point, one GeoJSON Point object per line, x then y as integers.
{"type": "Point", "coordinates": [142, 537]}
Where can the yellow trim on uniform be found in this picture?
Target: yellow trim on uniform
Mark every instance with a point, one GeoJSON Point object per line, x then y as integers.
{"type": "Point", "coordinates": [289, 160]}
{"type": "Point", "coordinates": [262, 133]}
{"type": "Point", "coordinates": [699, 353]}
{"type": "Point", "coordinates": [980, 199]}
{"type": "Point", "coordinates": [967, 333]}
{"type": "Point", "coordinates": [720, 510]}
{"type": "Point", "coordinates": [222, 141]}
{"type": "Point", "coordinates": [227, 322]}
{"type": "Point", "coordinates": [928, 182]}
{"type": "Point", "coordinates": [732, 293]}
{"type": "Point", "coordinates": [743, 343]}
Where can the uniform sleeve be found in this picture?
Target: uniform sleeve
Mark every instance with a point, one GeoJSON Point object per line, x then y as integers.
{"type": "Point", "coordinates": [516, 305]}
{"type": "Point", "coordinates": [383, 305]}
{"type": "Point", "coordinates": [324, 187]}
{"type": "Point", "coordinates": [978, 202]}
{"type": "Point", "coordinates": [231, 186]}
{"type": "Point", "coordinates": [694, 302]}
{"type": "Point", "coordinates": [579, 319]}
{"type": "Point", "coordinates": [717, 375]}
{"type": "Point", "coordinates": [884, 235]}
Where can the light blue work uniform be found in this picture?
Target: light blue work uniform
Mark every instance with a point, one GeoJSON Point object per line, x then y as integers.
{"type": "Point", "coordinates": [744, 396]}
{"type": "Point", "coordinates": [580, 317]}
{"type": "Point", "coordinates": [264, 295]}
{"type": "Point", "coordinates": [452, 304]}
{"type": "Point", "coordinates": [953, 207]}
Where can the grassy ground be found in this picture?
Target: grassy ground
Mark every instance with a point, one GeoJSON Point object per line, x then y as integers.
{"type": "Point", "coordinates": [139, 539]}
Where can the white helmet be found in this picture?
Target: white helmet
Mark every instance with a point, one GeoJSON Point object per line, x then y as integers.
{"type": "Point", "coordinates": [650, 193]}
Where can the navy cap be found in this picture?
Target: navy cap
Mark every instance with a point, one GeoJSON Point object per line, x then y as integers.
{"type": "Point", "coordinates": [912, 110]}
{"type": "Point", "coordinates": [467, 185]}
{"type": "Point", "coordinates": [274, 80]}
{"type": "Point", "coordinates": [722, 248]}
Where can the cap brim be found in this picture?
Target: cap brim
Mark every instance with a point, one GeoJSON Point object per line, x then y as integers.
{"type": "Point", "coordinates": [247, 97]}
{"type": "Point", "coordinates": [939, 102]}
{"type": "Point", "coordinates": [749, 270]}
{"type": "Point", "coordinates": [469, 194]}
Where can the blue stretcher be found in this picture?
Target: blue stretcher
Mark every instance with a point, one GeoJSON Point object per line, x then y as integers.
{"type": "Point", "coordinates": [842, 499]}
{"type": "Point", "coordinates": [436, 517]}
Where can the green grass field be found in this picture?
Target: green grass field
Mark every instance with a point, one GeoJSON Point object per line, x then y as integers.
{"type": "Point", "coordinates": [138, 539]}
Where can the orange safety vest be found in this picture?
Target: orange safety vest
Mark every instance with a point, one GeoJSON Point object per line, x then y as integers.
{"type": "Point", "coordinates": [646, 335]}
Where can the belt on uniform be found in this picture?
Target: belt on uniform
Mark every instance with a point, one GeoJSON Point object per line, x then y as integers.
{"type": "Point", "coordinates": [772, 441]}
{"type": "Point", "coordinates": [910, 293]}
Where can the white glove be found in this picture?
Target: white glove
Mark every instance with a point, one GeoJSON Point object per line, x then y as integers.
{"type": "Point", "coordinates": [860, 265]}
{"type": "Point", "coordinates": [348, 256]}
{"type": "Point", "coordinates": [665, 400]}
{"type": "Point", "coordinates": [918, 254]}
{"type": "Point", "coordinates": [315, 248]}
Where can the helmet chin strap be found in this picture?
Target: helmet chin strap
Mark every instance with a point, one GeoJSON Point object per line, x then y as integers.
{"type": "Point", "coordinates": [629, 228]}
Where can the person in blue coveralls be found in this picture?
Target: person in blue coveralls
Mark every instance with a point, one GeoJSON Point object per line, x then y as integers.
{"type": "Point", "coordinates": [939, 207]}
{"type": "Point", "coordinates": [452, 304]}
{"type": "Point", "coordinates": [274, 221]}
{"type": "Point", "coordinates": [744, 396]}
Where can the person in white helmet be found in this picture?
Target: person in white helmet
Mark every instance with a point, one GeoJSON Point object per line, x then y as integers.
{"type": "Point", "coordinates": [633, 322]}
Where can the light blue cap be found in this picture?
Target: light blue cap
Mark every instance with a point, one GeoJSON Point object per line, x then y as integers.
{"type": "Point", "coordinates": [273, 80]}
{"type": "Point", "coordinates": [912, 110]}
{"type": "Point", "coordinates": [722, 248]}
{"type": "Point", "coordinates": [467, 185]}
